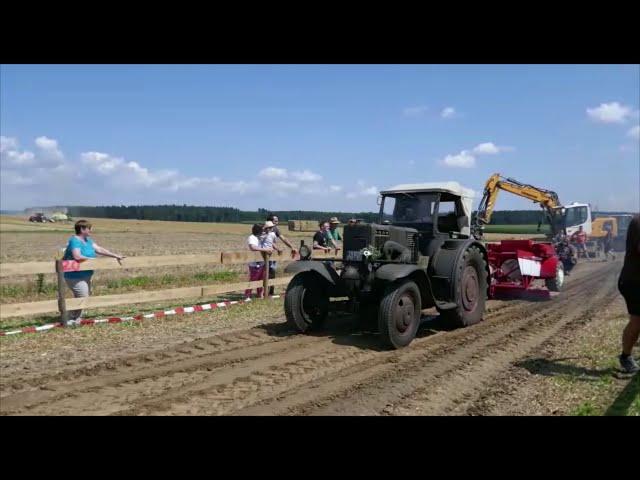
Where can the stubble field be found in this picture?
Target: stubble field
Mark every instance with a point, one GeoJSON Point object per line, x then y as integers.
{"type": "Point", "coordinates": [555, 357]}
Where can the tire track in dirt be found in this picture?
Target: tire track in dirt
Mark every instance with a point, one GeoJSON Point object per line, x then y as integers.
{"type": "Point", "coordinates": [465, 384]}
{"type": "Point", "coordinates": [245, 391]}
{"type": "Point", "coordinates": [376, 390]}
{"type": "Point", "coordinates": [181, 359]}
{"type": "Point", "coordinates": [203, 354]}
{"type": "Point", "coordinates": [262, 371]}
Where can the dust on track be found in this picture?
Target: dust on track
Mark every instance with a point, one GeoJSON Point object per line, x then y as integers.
{"type": "Point", "coordinates": [269, 370]}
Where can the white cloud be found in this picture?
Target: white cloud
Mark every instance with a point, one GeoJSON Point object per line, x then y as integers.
{"type": "Point", "coordinates": [486, 148]}
{"type": "Point", "coordinates": [416, 111]}
{"type": "Point", "coordinates": [363, 190]}
{"type": "Point", "coordinates": [45, 176]}
{"type": "Point", "coordinates": [273, 173]}
{"type": "Point", "coordinates": [306, 176]}
{"type": "Point", "coordinates": [49, 155]}
{"type": "Point", "coordinates": [610, 113]}
{"type": "Point", "coordinates": [467, 159]}
{"type": "Point", "coordinates": [634, 132]}
{"type": "Point", "coordinates": [463, 160]}
{"type": "Point", "coordinates": [17, 159]}
{"type": "Point", "coordinates": [7, 143]}
{"type": "Point", "coordinates": [49, 147]}
{"type": "Point", "coordinates": [448, 112]}
{"type": "Point", "coordinates": [122, 175]}
{"type": "Point", "coordinates": [284, 185]}
{"type": "Point", "coordinates": [490, 148]}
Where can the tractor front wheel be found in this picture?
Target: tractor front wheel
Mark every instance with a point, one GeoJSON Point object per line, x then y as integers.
{"type": "Point", "coordinates": [306, 303]}
{"type": "Point", "coordinates": [399, 313]}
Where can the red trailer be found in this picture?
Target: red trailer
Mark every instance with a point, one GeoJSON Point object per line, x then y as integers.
{"type": "Point", "coordinates": [515, 264]}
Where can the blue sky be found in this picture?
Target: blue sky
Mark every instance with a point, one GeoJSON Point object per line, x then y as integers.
{"type": "Point", "coordinates": [314, 136]}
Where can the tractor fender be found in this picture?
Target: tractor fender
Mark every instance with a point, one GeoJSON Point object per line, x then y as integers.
{"type": "Point", "coordinates": [442, 267]}
{"type": "Point", "coordinates": [394, 271]}
{"type": "Point", "coordinates": [325, 271]}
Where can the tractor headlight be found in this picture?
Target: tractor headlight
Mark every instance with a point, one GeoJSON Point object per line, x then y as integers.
{"type": "Point", "coordinates": [305, 252]}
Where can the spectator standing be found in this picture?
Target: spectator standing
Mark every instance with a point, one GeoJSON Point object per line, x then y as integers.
{"type": "Point", "coordinates": [274, 218]}
{"type": "Point", "coordinates": [320, 241]}
{"type": "Point", "coordinates": [80, 248]}
{"type": "Point", "coordinates": [333, 235]}
{"type": "Point", "coordinates": [608, 244]}
{"type": "Point", "coordinates": [269, 240]}
{"type": "Point", "coordinates": [629, 287]}
{"type": "Point", "coordinates": [579, 238]}
{"type": "Point", "coordinates": [256, 269]}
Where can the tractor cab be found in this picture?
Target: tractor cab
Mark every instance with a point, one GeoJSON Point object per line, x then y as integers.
{"type": "Point", "coordinates": [438, 211]}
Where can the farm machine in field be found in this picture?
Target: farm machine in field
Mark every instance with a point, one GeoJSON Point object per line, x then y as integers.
{"type": "Point", "coordinates": [39, 218]}
{"type": "Point", "coordinates": [564, 220]}
{"type": "Point", "coordinates": [617, 224]}
{"type": "Point", "coordinates": [420, 254]}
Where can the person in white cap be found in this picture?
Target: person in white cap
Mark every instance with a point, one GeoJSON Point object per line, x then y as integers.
{"type": "Point", "coordinates": [274, 218]}
{"type": "Point", "coordinates": [269, 240]}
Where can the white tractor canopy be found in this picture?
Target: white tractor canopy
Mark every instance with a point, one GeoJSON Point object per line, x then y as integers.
{"type": "Point", "coordinates": [466, 194]}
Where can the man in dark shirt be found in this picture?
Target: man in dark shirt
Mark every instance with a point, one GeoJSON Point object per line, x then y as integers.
{"type": "Point", "coordinates": [320, 241]}
{"type": "Point", "coordinates": [629, 286]}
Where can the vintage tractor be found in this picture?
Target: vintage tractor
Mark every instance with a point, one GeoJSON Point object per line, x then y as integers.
{"type": "Point", "coordinates": [420, 254]}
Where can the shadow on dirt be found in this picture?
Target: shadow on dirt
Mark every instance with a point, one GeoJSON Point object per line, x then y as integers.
{"type": "Point", "coordinates": [347, 329]}
{"type": "Point", "coordinates": [625, 398]}
{"type": "Point", "coordinates": [555, 367]}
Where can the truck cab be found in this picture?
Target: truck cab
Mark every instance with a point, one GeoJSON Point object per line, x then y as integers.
{"type": "Point", "coordinates": [573, 216]}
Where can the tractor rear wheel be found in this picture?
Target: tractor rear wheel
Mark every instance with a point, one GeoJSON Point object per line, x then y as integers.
{"type": "Point", "coordinates": [306, 303]}
{"type": "Point", "coordinates": [470, 290]}
{"type": "Point", "coordinates": [399, 314]}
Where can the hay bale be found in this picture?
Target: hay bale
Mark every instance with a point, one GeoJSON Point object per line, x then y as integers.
{"type": "Point", "coordinates": [302, 225]}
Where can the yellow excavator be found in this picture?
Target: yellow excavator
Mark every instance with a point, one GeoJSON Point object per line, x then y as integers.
{"type": "Point", "coordinates": [562, 218]}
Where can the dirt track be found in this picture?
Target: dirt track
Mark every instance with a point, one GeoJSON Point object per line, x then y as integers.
{"type": "Point", "coordinates": [268, 370]}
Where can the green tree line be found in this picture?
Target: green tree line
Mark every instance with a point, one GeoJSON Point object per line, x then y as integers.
{"type": "Point", "coordinates": [191, 213]}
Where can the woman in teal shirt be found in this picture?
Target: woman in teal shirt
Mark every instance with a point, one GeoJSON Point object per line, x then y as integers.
{"type": "Point", "coordinates": [81, 248]}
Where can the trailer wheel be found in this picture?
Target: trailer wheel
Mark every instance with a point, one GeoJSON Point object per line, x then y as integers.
{"type": "Point", "coordinates": [555, 284]}
{"type": "Point", "coordinates": [306, 303]}
{"type": "Point", "coordinates": [470, 290]}
{"type": "Point", "coordinates": [399, 314]}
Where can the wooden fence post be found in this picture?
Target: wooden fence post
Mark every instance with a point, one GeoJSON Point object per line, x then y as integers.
{"type": "Point", "coordinates": [62, 304]}
{"type": "Point", "coordinates": [265, 278]}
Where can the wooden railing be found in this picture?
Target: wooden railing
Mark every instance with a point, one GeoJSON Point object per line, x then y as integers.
{"type": "Point", "coordinates": [63, 304]}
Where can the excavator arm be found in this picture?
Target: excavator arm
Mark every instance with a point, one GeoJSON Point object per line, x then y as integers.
{"type": "Point", "coordinates": [547, 199]}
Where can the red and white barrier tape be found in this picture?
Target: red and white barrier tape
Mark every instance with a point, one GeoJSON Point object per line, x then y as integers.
{"type": "Point", "coordinates": [159, 314]}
